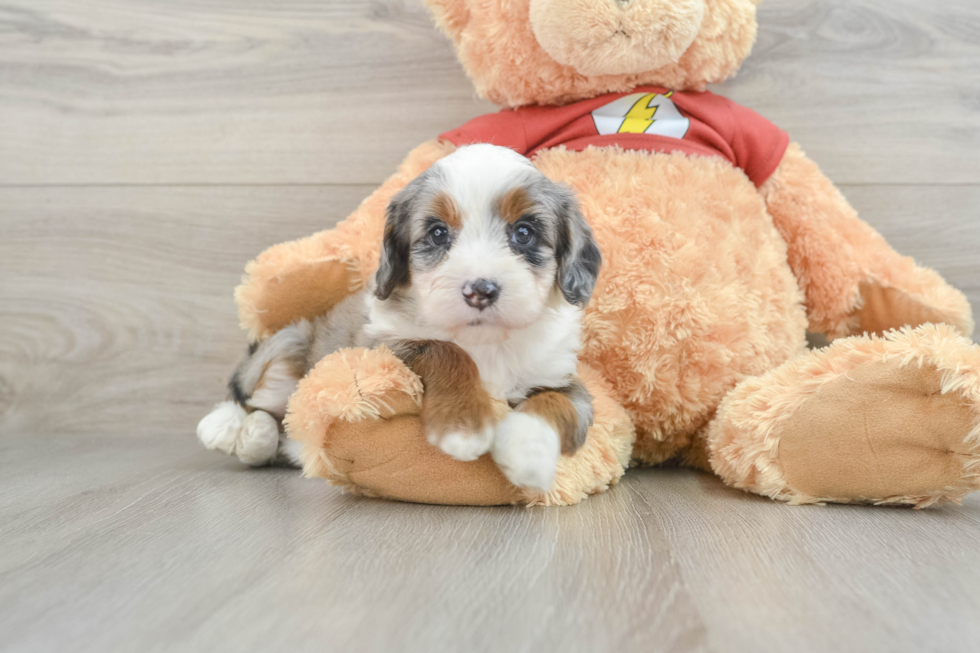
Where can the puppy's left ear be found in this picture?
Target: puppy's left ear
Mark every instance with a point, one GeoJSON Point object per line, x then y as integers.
{"type": "Point", "coordinates": [577, 253]}
{"type": "Point", "coordinates": [393, 269]}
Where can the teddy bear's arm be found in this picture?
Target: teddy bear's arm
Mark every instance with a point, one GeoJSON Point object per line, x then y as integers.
{"type": "Point", "coordinates": [306, 277]}
{"type": "Point", "coordinates": [357, 415]}
{"type": "Point", "coordinates": [853, 280]}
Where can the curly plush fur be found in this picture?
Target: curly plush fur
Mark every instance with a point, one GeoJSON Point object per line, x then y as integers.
{"type": "Point", "coordinates": [694, 339]}
{"type": "Point", "coordinates": [496, 43]}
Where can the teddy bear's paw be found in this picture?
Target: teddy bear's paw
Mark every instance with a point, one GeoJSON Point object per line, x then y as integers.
{"type": "Point", "coordinates": [526, 449]}
{"type": "Point", "coordinates": [464, 445]}
{"type": "Point", "coordinates": [219, 430]}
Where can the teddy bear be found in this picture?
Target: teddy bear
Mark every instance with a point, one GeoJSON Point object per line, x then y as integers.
{"type": "Point", "coordinates": [723, 244]}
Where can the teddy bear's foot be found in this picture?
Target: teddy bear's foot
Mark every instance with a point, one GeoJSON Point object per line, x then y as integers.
{"type": "Point", "coordinates": [924, 298]}
{"type": "Point", "coordinates": [892, 420]}
{"type": "Point", "coordinates": [357, 415]}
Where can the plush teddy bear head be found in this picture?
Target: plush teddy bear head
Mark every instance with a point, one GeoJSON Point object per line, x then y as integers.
{"type": "Point", "coordinates": [521, 52]}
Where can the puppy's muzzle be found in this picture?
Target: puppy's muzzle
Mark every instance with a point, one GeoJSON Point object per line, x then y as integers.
{"type": "Point", "coordinates": [481, 293]}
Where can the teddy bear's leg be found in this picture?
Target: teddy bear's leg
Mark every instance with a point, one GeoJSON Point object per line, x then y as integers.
{"type": "Point", "coordinates": [890, 420]}
{"type": "Point", "coordinates": [357, 415]}
{"type": "Point", "coordinates": [307, 277]}
{"type": "Point", "coordinates": [853, 280]}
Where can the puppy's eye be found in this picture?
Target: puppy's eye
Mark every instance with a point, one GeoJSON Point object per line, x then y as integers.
{"type": "Point", "coordinates": [523, 235]}
{"type": "Point", "coordinates": [439, 235]}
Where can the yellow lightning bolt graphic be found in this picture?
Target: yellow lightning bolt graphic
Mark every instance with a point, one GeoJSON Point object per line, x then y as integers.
{"type": "Point", "coordinates": [640, 116]}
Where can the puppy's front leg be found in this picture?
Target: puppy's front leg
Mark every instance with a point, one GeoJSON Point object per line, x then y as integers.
{"type": "Point", "coordinates": [458, 414]}
{"type": "Point", "coordinates": [550, 421]}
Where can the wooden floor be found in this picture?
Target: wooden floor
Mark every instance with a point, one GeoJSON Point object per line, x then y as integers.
{"type": "Point", "coordinates": [149, 148]}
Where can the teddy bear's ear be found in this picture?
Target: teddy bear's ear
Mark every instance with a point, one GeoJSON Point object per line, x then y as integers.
{"type": "Point", "coordinates": [451, 16]}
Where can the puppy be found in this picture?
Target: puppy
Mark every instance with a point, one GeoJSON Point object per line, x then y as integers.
{"type": "Point", "coordinates": [486, 266]}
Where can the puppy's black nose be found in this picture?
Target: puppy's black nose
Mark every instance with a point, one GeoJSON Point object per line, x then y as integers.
{"type": "Point", "coordinates": [481, 293]}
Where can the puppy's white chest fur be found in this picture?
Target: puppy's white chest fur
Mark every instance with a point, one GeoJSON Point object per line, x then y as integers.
{"type": "Point", "coordinates": [542, 355]}
{"type": "Point", "coordinates": [511, 363]}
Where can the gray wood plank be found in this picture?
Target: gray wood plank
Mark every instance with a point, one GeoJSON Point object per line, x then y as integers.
{"type": "Point", "coordinates": [939, 226]}
{"type": "Point", "coordinates": [143, 91]}
{"type": "Point", "coordinates": [117, 315]}
{"type": "Point", "coordinates": [153, 544]}
{"type": "Point", "coordinates": [117, 302]}
{"type": "Point", "coordinates": [876, 91]}
{"type": "Point", "coordinates": [117, 331]}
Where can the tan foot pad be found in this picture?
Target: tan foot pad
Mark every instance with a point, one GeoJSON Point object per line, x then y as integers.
{"type": "Point", "coordinates": [888, 308]}
{"type": "Point", "coordinates": [881, 432]}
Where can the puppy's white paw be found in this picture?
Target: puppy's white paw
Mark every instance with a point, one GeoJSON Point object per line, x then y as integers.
{"type": "Point", "coordinates": [526, 449]}
{"type": "Point", "coordinates": [290, 452]}
{"type": "Point", "coordinates": [229, 429]}
{"type": "Point", "coordinates": [464, 446]}
{"type": "Point", "coordinates": [219, 430]}
{"type": "Point", "coordinates": [259, 439]}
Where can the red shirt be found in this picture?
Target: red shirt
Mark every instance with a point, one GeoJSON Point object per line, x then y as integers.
{"type": "Point", "coordinates": [648, 118]}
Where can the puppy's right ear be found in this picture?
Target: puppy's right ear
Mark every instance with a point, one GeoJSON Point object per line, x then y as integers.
{"type": "Point", "coordinates": [393, 270]}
